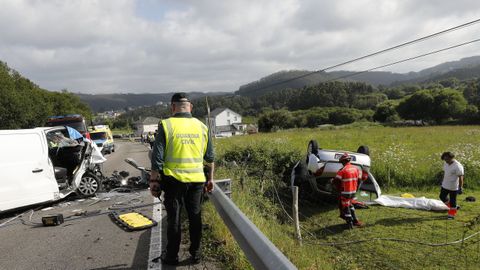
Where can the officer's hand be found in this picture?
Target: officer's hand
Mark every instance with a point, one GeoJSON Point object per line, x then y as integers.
{"type": "Point", "coordinates": [209, 186]}
{"type": "Point", "coordinates": [155, 188]}
{"type": "Point", "coordinates": [460, 191]}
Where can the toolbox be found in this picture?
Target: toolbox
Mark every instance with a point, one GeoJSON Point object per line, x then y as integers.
{"type": "Point", "coordinates": [52, 220]}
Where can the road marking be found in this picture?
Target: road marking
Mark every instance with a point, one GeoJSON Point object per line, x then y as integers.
{"type": "Point", "coordinates": [156, 237]}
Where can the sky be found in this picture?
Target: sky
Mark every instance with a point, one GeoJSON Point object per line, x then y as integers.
{"type": "Point", "coordinates": [157, 46]}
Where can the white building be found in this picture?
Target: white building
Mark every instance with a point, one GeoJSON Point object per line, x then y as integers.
{"type": "Point", "coordinates": [226, 123]}
{"type": "Point", "coordinates": [148, 124]}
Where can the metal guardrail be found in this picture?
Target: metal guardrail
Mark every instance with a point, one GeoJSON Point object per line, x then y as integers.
{"type": "Point", "coordinates": [260, 251]}
{"type": "Point", "coordinates": [225, 185]}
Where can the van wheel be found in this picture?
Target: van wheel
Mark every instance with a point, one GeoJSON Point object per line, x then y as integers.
{"type": "Point", "coordinates": [363, 149]}
{"type": "Point", "coordinates": [88, 185]}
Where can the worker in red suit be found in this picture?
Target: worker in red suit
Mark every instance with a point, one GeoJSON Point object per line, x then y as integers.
{"type": "Point", "coordinates": [346, 182]}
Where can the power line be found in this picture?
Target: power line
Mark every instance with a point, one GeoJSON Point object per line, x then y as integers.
{"type": "Point", "coordinates": [405, 60]}
{"type": "Point", "coordinates": [448, 30]}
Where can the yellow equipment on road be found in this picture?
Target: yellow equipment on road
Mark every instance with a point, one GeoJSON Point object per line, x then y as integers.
{"type": "Point", "coordinates": [132, 221]}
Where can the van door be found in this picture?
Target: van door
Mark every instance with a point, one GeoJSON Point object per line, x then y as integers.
{"type": "Point", "coordinates": [26, 173]}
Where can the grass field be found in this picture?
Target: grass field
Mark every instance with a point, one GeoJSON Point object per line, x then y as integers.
{"type": "Point", "coordinates": [403, 160]}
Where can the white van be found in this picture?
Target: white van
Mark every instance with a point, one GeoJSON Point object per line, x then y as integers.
{"type": "Point", "coordinates": [44, 164]}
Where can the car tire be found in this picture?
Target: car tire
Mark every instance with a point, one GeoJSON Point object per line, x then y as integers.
{"type": "Point", "coordinates": [312, 147]}
{"type": "Point", "coordinates": [89, 185]}
{"type": "Point", "coordinates": [299, 172]}
{"type": "Point", "coordinates": [363, 149]}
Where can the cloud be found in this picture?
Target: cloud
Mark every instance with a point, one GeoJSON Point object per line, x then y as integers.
{"type": "Point", "coordinates": [100, 46]}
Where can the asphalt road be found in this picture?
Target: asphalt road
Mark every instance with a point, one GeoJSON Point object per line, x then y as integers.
{"type": "Point", "coordinates": [92, 240]}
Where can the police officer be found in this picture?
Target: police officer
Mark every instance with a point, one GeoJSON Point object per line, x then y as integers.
{"type": "Point", "coordinates": [181, 147]}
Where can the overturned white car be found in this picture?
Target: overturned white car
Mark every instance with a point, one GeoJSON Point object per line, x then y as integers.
{"type": "Point", "coordinates": [313, 173]}
{"type": "Point", "coordinates": [45, 164]}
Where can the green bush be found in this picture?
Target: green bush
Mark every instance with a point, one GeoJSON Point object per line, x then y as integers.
{"type": "Point", "coordinates": [386, 112]}
{"type": "Point", "coordinates": [342, 117]}
{"type": "Point", "coordinates": [275, 120]}
{"type": "Point", "coordinates": [260, 159]}
{"type": "Point", "coordinates": [436, 104]}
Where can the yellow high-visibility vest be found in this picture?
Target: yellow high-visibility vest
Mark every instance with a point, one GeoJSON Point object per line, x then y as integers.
{"type": "Point", "coordinates": [186, 143]}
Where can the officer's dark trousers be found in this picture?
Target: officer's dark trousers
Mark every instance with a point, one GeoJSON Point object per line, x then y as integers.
{"type": "Point", "coordinates": [176, 195]}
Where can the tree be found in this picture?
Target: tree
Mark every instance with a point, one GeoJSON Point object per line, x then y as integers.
{"type": "Point", "coordinates": [417, 106]}
{"type": "Point", "coordinates": [471, 93]}
{"type": "Point", "coordinates": [450, 82]}
{"type": "Point", "coordinates": [471, 114]}
{"type": "Point", "coordinates": [394, 93]}
{"type": "Point", "coordinates": [274, 120]}
{"type": "Point", "coordinates": [369, 101]}
{"type": "Point", "coordinates": [25, 105]}
{"type": "Point", "coordinates": [386, 112]}
{"type": "Point", "coordinates": [342, 116]}
{"type": "Point", "coordinates": [448, 103]}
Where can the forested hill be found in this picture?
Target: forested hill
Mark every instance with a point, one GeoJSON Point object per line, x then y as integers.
{"type": "Point", "coordinates": [465, 68]}
{"type": "Point", "coordinates": [108, 102]}
{"type": "Point", "coordinates": [24, 104]}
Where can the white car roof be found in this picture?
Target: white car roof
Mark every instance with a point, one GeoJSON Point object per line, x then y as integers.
{"type": "Point", "coordinates": [30, 130]}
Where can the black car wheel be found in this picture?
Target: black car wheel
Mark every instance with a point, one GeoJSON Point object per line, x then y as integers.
{"type": "Point", "coordinates": [299, 172]}
{"type": "Point", "coordinates": [312, 147]}
{"type": "Point", "coordinates": [363, 149]}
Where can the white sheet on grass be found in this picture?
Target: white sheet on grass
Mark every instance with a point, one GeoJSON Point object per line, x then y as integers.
{"type": "Point", "coordinates": [421, 203]}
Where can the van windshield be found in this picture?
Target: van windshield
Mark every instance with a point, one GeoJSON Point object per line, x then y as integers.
{"type": "Point", "coordinates": [98, 136]}
{"type": "Point", "coordinates": [57, 139]}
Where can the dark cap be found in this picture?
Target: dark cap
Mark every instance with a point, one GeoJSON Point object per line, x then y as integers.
{"type": "Point", "coordinates": [180, 97]}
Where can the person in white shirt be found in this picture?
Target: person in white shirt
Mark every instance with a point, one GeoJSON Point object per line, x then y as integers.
{"type": "Point", "coordinates": [452, 183]}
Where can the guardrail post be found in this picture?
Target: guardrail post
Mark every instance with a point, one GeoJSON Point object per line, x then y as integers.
{"type": "Point", "coordinates": [225, 185]}
{"type": "Point", "coordinates": [260, 251]}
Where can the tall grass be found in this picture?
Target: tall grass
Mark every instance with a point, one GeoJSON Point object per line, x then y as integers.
{"type": "Point", "coordinates": [401, 157]}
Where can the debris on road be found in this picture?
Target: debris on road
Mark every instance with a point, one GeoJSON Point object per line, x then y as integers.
{"type": "Point", "coordinates": [10, 220]}
{"type": "Point", "coordinates": [52, 220]}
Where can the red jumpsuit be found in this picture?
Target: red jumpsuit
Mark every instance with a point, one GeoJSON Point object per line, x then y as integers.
{"type": "Point", "coordinates": [346, 182]}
